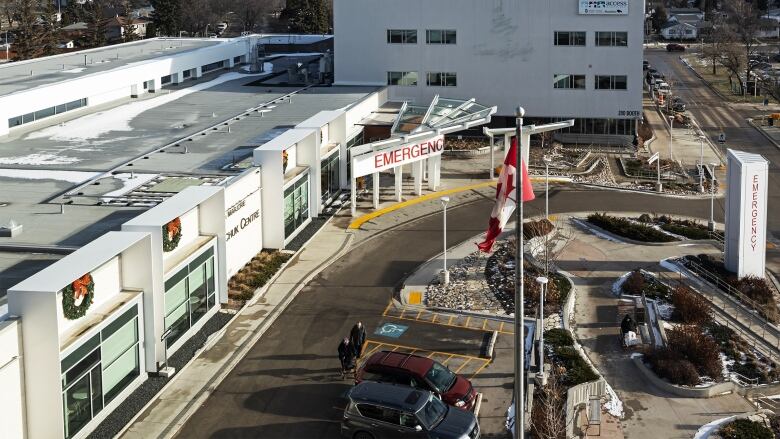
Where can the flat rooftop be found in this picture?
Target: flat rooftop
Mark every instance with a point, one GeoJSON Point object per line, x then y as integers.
{"type": "Point", "coordinates": [117, 161]}
{"type": "Point", "coordinates": [26, 75]}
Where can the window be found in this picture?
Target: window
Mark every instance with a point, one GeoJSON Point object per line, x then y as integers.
{"type": "Point", "coordinates": [402, 36]}
{"type": "Point", "coordinates": [440, 36]}
{"type": "Point", "coordinates": [296, 205]}
{"type": "Point", "coordinates": [212, 66]}
{"type": "Point", "coordinates": [98, 370]}
{"type": "Point", "coordinates": [189, 295]}
{"type": "Point", "coordinates": [569, 81]}
{"type": "Point", "coordinates": [355, 140]}
{"type": "Point", "coordinates": [46, 112]}
{"type": "Point", "coordinates": [330, 184]}
{"type": "Point", "coordinates": [567, 38]}
{"type": "Point", "coordinates": [408, 79]}
{"type": "Point", "coordinates": [611, 82]}
{"type": "Point", "coordinates": [442, 79]}
{"type": "Point", "coordinates": [165, 80]}
{"type": "Point", "coordinates": [612, 39]}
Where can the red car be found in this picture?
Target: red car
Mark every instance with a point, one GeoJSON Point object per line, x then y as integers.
{"type": "Point", "coordinates": [419, 372]}
{"type": "Point", "coordinates": [674, 47]}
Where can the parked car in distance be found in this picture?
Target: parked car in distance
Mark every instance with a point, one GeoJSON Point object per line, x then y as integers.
{"type": "Point", "coordinates": [674, 47]}
{"type": "Point", "coordinates": [390, 411]}
{"type": "Point", "coordinates": [421, 373]}
{"type": "Point", "coordinates": [645, 65]}
{"type": "Point", "coordinates": [679, 107]}
{"type": "Point", "coordinates": [662, 88]}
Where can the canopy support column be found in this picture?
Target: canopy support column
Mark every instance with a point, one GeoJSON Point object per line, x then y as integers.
{"type": "Point", "coordinates": [399, 175]}
{"type": "Point", "coordinates": [433, 173]}
{"type": "Point", "coordinates": [376, 190]}
{"type": "Point", "coordinates": [417, 166]}
{"type": "Point", "coordinates": [353, 195]}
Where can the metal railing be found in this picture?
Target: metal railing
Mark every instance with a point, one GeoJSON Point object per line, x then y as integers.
{"type": "Point", "coordinates": [725, 312]}
{"type": "Point", "coordinates": [742, 380]}
{"type": "Point", "coordinates": [579, 395]}
{"type": "Point", "coordinates": [762, 401]}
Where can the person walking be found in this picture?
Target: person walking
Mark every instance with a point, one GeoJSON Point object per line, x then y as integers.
{"type": "Point", "coordinates": [357, 336]}
{"type": "Point", "coordinates": [346, 356]}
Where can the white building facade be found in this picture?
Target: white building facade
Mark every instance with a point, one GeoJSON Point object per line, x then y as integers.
{"type": "Point", "coordinates": [557, 59]}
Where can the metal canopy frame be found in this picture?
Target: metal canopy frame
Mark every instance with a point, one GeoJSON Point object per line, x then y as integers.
{"type": "Point", "coordinates": [525, 141]}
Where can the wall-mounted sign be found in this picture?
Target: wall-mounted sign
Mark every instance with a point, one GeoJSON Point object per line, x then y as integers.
{"type": "Point", "coordinates": [377, 161]}
{"type": "Point", "coordinates": [243, 228]}
{"type": "Point", "coordinates": [603, 7]}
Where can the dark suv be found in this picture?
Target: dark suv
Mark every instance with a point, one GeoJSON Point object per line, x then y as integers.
{"type": "Point", "coordinates": [392, 411]}
{"type": "Point", "coordinates": [419, 372]}
{"type": "Point", "coordinates": [674, 47]}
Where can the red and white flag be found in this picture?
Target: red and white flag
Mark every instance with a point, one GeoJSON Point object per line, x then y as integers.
{"type": "Point", "coordinates": [506, 197]}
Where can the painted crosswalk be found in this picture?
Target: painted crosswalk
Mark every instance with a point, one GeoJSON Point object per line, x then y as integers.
{"type": "Point", "coordinates": [423, 315]}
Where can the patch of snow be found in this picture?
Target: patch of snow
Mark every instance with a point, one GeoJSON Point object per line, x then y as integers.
{"type": "Point", "coordinates": [38, 159]}
{"type": "Point", "coordinates": [37, 174]}
{"type": "Point", "coordinates": [510, 419]}
{"type": "Point", "coordinates": [95, 125]}
{"type": "Point", "coordinates": [76, 70]}
{"type": "Point", "coordinates": [268, 67]}
{"type": "Point", "coordinates": [670, 265]}
{"type": "Point", "coordinates": [665, 309]}
{"type": "Point", "coordinates": [614, 406]}
{"type": "Point", "coordinates": [652, 321]}
{"type": "Point", "coordinates": [598, 233]}
{"type": "Point", "coordinates": [617, 287]}
{"type": "Point", "coordinates": [128, 183]}
{"type": "Point", "coordinates": [727, 364]}
{"type": "Point", "coordinates": [707, 429]}
{"type": "Point", "coordinates": [636, 354]}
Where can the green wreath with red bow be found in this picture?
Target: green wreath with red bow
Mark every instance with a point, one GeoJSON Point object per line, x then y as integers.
{"type": "Point", "coordinates": [77, 297]}
{"type": "Point", "coordinates": [171, 234]}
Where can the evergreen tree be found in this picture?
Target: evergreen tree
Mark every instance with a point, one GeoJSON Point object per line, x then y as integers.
{"type": "Point", "coordinates": [29, 39]}
{"type": "Point", "coordinates": [129, 29]}
{"type": "Point", "coordinates": [307, 16]}
{"type": "Point", "coordinates": [167, 16]}
{"type": "Point", "coordinates": [96, 24]}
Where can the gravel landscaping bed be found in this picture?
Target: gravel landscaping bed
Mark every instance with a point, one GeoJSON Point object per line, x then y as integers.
{"type": "Point", "coordinates": [131, 406]}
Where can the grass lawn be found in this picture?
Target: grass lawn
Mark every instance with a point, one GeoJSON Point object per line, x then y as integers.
{"type": "Point", "coordinates": [720, 81]}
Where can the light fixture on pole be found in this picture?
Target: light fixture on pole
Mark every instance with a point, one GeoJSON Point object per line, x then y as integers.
{"type": "Point", "coordinates": [445, 275]}
{"type": "Point", "coordinates": [671, 130]}
{"type": "Point", "coordinates": [542, 281]}
{"type": "Point", "coordinates": [519, 395]}
{"type": "Point", "coordinates": [701, 163]}
{"type": "Point", "coordinates": [711, 223]}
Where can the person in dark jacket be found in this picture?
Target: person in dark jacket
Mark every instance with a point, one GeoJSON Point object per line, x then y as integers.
{"type": "Point", "coordinates": [357, 336]}
{"type": "Point", "coordinates": [346, 356]}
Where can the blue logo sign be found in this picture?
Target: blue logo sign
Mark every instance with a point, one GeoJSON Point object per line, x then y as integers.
{"type": "Point", "coordinates": [391, 330]}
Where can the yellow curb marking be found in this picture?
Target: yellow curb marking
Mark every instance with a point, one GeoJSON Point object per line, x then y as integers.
{"type": "Point", "coordinates": [468, 319]}
{"type": "Point", "coordinates": [448, 359]}
{"type": "Point", "coordinates": [484, 324]}
{"type": "Point", "coordinates": [432, 196]}
{"type": "Point", "coordinates": [449, 322]}
{"type": "Point", "coordinates": [415, 297]}
{"type": "Point", "coordinates": [463, 365]}
{"type": "Point", "coordinates": [418, 315]}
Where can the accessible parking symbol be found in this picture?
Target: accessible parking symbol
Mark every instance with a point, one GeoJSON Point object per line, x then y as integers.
{"type": "Point", "coordinates": [392, 330]}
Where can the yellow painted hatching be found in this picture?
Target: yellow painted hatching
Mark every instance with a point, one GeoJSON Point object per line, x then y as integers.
{"type": "Point", "coordinates": [415, 297]}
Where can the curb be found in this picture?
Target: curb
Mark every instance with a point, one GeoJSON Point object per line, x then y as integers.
{"type": "Point", "coordinates": [654, 193]}
{"type": "Point", "coordinates": [587, 225]}
{"type": "Point", "coordinates": [183, 415]}
{"type": "Point", "coordinates": [478, 405]}
{"type": "Point", "coordinates": [491, 345]}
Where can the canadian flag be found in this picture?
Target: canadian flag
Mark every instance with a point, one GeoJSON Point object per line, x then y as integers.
{"type": "Point", "coordinates": [506, 197]}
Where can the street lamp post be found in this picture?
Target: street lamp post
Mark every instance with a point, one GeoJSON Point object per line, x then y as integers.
{"type": "Point", "coordinates": [547, 160]}
{"type": "Point", "coordinates": [671, 131]}
{"type": "Point", "coordinates": [445, 273]}
{"type": "Point", "coordinates": [701, 163]}
{"type": "Point", "coordinates": [519, 395]}
{"type": "Point", "coordinates": [542, 281]}
{"type": "Point", "coordinates": [711, 224]}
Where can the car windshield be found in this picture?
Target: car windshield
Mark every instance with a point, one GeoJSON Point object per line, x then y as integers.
{"type": "Point", "coordinates": [432, 413]}
{"type": "Point", "coordinates": [441, 377]}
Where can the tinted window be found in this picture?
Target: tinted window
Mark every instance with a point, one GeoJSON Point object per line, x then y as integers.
{"type": "Point", "coordinates": [441, 377]}
{"type": "Point", "coordinates": [380, 413]}
{"type": "Point", "coordinates": [432, 413]}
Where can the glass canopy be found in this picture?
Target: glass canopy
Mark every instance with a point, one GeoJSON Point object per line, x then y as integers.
{"type": "Point", "coordinates": [441, 113]}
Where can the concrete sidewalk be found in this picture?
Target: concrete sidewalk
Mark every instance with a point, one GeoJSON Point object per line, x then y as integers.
{"type": "Point", "coordinates": [192, 385]}
{"type": "Point", "coordinates": [686, 147]}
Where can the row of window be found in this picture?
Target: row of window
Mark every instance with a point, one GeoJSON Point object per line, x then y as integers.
{"type": "Point", "coordinates": [432, 36]}
{"type": "Point", "coordinates": [189, 295]}
{"type": "Point", "coordinates": [432, 79]}
{"type": "Point", "coordinates": [601, 82]}
{"type": "Point", "coordinates": [46, 112]}
{"type": "Point", "coordinates": [579, 38]}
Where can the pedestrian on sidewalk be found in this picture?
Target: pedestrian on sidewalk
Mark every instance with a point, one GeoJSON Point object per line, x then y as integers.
{"type": "Point", "coordinates": [346, 357]}
{"type": "Point", "coordinates": [357, 336]}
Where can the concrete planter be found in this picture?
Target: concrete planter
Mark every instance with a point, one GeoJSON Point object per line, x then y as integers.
{"type": "Point", "coordinates": [685, 392]}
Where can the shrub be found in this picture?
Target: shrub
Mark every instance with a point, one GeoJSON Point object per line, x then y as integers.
{"type": "Point", "coordinates": [558, 337]}
{"type": "Point", "coordinates": [690, 307]}
{"type": "Point", "coordinates": [628, 229]}
{"type": "Point", "coordinates": [533, 229]}
{"type": "Point", "coordinates": [686, 344]}
{"type": "Point", "coordinates": [745, 429]}
{"type": "Point", "coordinates": [645, 218]}
{"type": "Point", "coordinates": [578, 370]}
{"type": "Point", "coordinates": [255, 274]}
{"type": "Point", "coordinates": [634, 283]}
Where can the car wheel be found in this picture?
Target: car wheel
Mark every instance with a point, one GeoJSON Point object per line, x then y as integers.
{"type": "Point", "coordinates": [362, 435]}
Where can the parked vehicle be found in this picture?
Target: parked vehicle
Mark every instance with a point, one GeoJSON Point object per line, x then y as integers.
{"type": "Point", "coordinates": [421, 373]}
{"type": "Point", "coordinates": [645, 64]}
{"type": "Point", "coordinates": [222, 26]}
{"type": "Point", "coordinates": [678, 107]}
{"type": "Point", "coordinates": [390, 411]}
{"type": "Point", "coordinates": [674, 47]}
{"type": "Point", "coordinates": [662, 88]}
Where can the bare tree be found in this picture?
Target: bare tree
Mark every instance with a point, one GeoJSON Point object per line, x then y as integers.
{"type": "Point", "coordinates": [745, 22]}
{"type": "Point", "coordinates": [548, 416]}
{"type": "Point", "coordinates": [734, 60]}
{"type": "Point", "coordinates": [197, 16]}
{"type": "Point", "coordinates": [718, 37]}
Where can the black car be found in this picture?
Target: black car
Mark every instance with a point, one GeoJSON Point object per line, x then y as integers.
{"type": "Point", "coordinates": [674, 47]}
{"type": "Point", "coordinates": [390, 411]}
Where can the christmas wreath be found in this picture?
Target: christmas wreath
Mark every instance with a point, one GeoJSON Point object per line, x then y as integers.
{"type": "Point", "coordinates": [284, 161]}
{"type": "Point", "coordinates": [77, 297]}
{"type": "Point", "coordinates": [171, 234]}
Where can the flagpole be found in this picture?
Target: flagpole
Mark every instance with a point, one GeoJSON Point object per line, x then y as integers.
{"type": "Point", "coordinates": [519, 306]}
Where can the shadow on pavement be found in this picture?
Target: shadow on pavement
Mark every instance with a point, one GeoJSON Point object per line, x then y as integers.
{"type": "Point", "coordinates": [303, 429]}
{"type": "Point", "coordinates": [301, 401]}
